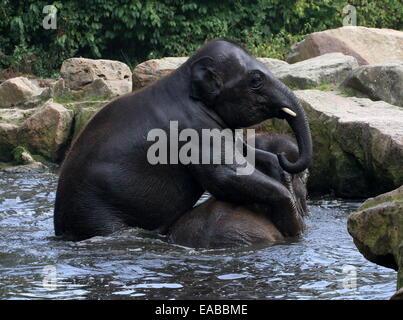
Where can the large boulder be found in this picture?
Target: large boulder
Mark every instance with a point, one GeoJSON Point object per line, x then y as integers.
{"type": "Point", "coordinates": [378, 82]}
{"type": "Point", "coordinates": [377, 230]}
{"type": "Point", "coordinates": [103, 78]}
{"type": "Point", "coordinates": [33, 167]}
{"type": "Point", "coordinates": [23, 162]}
{"type": "Point", "coordinates": [358, 143]}
{"type": "Point", "coordinates": [272, 64]}
{"type": "Point", "coordinates": [8, 140]}
{"type": "Point", "coordinates": [331, 68]}
{"type": "Point", "coordinates": [367, 45]}
{"type": "Point", "coordinates": [20, 92]}
{"type": "Point", "coordinates": [10, 121]}
{"type": "Point", "coordinates": [43, 131]}
{"type": "Point", "coordinates": [149, 71]}
{"type": "Point", "coordinates": [46, 132]}
{"type": "Point", "coordinates": [82, 116]}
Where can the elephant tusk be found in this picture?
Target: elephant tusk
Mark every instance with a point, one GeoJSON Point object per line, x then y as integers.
{"type": "Point", "coordinates": [289, 111]}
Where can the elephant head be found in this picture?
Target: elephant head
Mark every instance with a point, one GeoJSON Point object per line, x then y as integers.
{"type": "Point", "coordinates": [243, 92]}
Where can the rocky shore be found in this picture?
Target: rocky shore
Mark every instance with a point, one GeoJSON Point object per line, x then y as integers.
{"type": "Point", "coordinates": [349, 81]}
{"type": "Point", "coordinates": [377, 230]}
{"type": "Point", "coordinates": [354, 108]}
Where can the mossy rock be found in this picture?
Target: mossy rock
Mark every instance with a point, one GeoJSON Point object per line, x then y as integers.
{"type": "Point", "coordinates": [377, 230]}
{"type": "Point", "coordinates": [356, 143]}
{"type": "Point", "coordinates": [82, 116]}
{"type": "Point", "coordinates": [22, 156]}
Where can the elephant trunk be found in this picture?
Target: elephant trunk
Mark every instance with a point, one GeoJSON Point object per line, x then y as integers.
{"type": "Point", "coordinates": [298, 122]}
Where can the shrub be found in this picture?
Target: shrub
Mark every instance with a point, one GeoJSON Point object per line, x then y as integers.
{"type": "Point", "coordinates": [134, 30]}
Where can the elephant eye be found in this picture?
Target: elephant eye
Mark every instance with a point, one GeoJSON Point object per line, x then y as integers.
{"type": "Point", "coordinates": [256, 79]}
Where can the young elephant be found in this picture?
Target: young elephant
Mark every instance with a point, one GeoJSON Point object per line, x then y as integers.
{"type": "Point", "coordinates": [108, 181]}
{"type": "Point", "coordinates": [217, 224]}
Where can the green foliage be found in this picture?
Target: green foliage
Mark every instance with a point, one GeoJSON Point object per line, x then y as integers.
{"type": "Point", "coordinates": [135, 30]}
{"type": "Point", "coordinates": [21, 155]}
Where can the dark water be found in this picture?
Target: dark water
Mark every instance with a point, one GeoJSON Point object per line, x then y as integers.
{"type": "Point", "coordinates": [135, 264]}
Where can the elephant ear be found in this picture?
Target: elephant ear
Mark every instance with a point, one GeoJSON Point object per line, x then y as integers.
{"type": "Point", "coordinates": [206, 84]}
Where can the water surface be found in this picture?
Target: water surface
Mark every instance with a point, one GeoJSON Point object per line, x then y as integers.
{"type": "Point", "coordinates": [136, 264]}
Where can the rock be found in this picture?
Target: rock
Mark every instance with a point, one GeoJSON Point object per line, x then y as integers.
{"type": "Point", "coordinates": [378, 82]}
{"type": "Point", "coordinates": [34, 167]}
{"type": "Point", "coordinates": [377, 229]}
{"type": "Point", "coordinates": [10, 120]}
{"type": "Point", "coordinates": [149, 71]}
{"type": "Point", "coordinates": [22, 155]}
{"type": "Point", "coordinates": [82, 116]}
{"type": "Point", "coordinates": [272, 64]}
{"type": "Point", "coordinates": [59, 90]}
{"type": "Point", "coordinates": [105, 78]}
{"type": "Point", "coordinates": [398, 295]}
{"type": "Point", "coordinates": [19, 92]}
{"type": "Point", "coordinates": [46, 132]}
{"type": "Point", "coordinates": [331, 68]}
{"type": "Point", "coordinates": [320, 43]}
{"type": "Point", "coordinates": [44, 82]}
{"type": "Point", "coordinates": [8, 140]}
{"type": "Point", "coordinates": [358, 143]}
{"type": "Point", "coordinates": [14, 115]}
{"type": "Point", "coordinates": [85, 104]}
{"type": "Point", "coordinates": [103, 88]}
{"type": "Point", "coordinates": [367, 45]}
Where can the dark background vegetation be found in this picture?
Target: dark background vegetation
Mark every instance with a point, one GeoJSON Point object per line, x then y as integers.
{"type": "Point", "coordinates": [133, 31]}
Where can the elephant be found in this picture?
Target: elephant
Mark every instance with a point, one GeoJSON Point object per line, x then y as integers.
{"type": "Point", "coordinates": [220, 224]}
{"type": "Point", "coordinates": [107, 181]}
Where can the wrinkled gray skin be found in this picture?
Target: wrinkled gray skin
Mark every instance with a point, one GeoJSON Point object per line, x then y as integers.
{"type": "Point", "coordinates": [219, 224]}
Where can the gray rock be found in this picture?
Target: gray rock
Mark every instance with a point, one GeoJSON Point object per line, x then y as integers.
{"type": "Point", "coordinates": [20, 92]}
{"type": "Point", "coordinates": [22, 155]}
{"type": "Point", "coordinates": [46, 132]}
{"type": "Point", "coordinates": [272, 64]}
{"type": "Point", "coordinates": [377, 230]}
{"type": "Point", "coordinates": [106, 89]}
{"type": "Point", "coordinates": [378, 82]}
{"type": "Point", "coordinates": [15, 115]}
{"type": "Point", "coordinates": [357, 143]}
{"type": "Point", "coordinates": [8, 140]}
{"type": "Point", "coordinates": [59, 90]}
{"type": "Point", "coordinates": [331, 68]}
{"type": "Point", "coordinates": [319, 43]}
{"type": "Point", "coordinates": [149, 71]}
{"type": "Point", "coordinates": [367, 45]}
{"type": "Point", "coordinates": [34, 167]}
{"type": "Point", "coordinates": [82, 116]}
{"type": "Point", "coordinates": [106, 78]}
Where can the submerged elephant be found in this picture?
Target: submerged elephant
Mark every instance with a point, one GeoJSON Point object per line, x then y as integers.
{"type": "Point", "coordinates": [218, 224]}
{"type": "Point", "coordinates": [107, 182]}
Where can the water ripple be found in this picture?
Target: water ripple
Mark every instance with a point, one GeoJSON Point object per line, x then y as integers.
{"type": "Point", "coordinates": [136, 264]}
